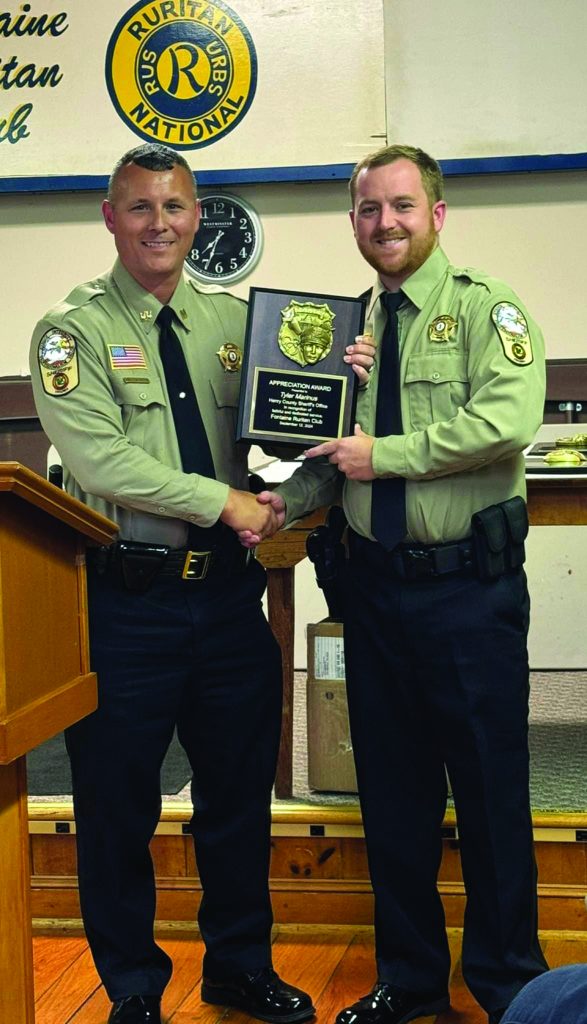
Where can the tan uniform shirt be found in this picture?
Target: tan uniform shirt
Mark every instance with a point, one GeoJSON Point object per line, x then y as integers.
{"type": "Point", "coordinates": [472, 397]}
{"type": "Point", "coordinates": [114, 429]}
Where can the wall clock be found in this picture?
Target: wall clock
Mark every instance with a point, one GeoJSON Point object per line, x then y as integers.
{"type": "Point", "coordinates": [228, 242]}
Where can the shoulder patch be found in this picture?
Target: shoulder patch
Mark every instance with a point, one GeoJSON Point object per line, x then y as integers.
{"type": "Point", "coordinates": [512, 327]}
{"type": "Point", "coordinates": [58, 362]}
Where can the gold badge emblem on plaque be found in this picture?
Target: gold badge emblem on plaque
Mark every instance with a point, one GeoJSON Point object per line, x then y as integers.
{"type": "Point", "coordinates": [512, 328]}
{"type": "Point", "coordinates": [230, 356]}
{"type": "Point", "coordinates": [306, 334]}
{"type": "Point", "coordinates": [442, 328]}
{"type": "Point", "coordinates": [58, 362]}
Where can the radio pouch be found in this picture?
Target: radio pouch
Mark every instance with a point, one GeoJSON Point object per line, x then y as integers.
{"type": "Point", "coordinates": [516, 514]}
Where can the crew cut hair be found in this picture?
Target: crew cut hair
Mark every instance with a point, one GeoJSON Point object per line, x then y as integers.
{"type": "Point", "coordinates": [430, 171]}
{"type": "Point", "coordinates": [154, 156]}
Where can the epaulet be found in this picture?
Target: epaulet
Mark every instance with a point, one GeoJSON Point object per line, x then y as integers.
{"type": "Point", "coordinates": [206, 289]}
{"type": "Point", "coordinates": [213, 289]}
{"type": "Point", "coordinates": [80, 296]}
{"type": "Point", "coordinates": [492, 284]}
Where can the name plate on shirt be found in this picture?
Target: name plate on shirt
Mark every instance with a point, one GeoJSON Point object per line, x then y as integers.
{"type": "Point", "coordinates": [296, 388]}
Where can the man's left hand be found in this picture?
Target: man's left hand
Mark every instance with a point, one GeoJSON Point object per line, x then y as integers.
{"type": "Point", "coordinates": [361, 356]}
{"type": "Point", "coordinates": [352, 455]}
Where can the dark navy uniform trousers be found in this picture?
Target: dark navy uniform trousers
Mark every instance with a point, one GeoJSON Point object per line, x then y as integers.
{"type": "Point", "coordinates": [202, 656]}
{"type": "Point", "coordinates": [438, 680]}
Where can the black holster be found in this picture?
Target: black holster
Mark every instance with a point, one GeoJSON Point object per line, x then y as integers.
{"type": "Point", "coordinates": [326, 550]}
{"type": "Point", "coordinates": [132, 566]}
{"type": "Point", "coordinates": [499, 532]}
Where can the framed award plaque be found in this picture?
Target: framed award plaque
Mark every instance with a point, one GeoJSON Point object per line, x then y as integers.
{"type": "Point", "coordinates": [295, 386]}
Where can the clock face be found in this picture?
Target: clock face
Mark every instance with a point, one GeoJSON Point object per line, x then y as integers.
{"type": "Point", "coordinates": [228, 241]}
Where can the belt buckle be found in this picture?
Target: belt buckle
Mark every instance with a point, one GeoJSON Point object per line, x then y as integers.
{"type": "Point", "coordinates": [419, 564]}
{"type": "Point", "coordinates": [196, 565]}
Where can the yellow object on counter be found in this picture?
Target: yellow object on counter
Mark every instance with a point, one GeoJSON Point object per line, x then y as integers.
{"type": "Point", "coordinates": [565, 457]}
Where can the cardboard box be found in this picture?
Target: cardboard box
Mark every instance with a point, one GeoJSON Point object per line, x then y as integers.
{"type": "Point", "coordinates": [330, 754]}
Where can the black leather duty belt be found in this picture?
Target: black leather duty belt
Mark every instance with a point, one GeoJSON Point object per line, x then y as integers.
{"type": "Point", "coordinates": [413, 562]}
{"type": "Point", "coordinates": [137, 565]}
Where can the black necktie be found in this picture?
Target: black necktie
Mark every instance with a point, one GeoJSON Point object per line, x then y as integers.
{"type": "Point", "coordinates": [191, 436]}
{"type": "Point", "coordinates": [388, 494]}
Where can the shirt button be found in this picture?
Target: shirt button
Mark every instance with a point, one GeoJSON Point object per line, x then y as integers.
{"type": "Point", "coordinates": [143, 394]}
{"type": "Point", "coordinates": [162, 508]}
{"type": "Point", "coordinates": [435, 376]}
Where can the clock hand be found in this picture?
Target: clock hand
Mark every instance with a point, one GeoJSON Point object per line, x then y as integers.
{"type": "Point", "coordinates": [212, 246]}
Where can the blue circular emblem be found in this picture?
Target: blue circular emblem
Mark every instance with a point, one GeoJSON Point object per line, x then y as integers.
{"type": "Point", "coordinates": [181, 73]}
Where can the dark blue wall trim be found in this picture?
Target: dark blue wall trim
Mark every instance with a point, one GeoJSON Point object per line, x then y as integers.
{"type": "Point", "coordinates": [515, 164]}
{"type": "Point", "coordinates": [317, 172]}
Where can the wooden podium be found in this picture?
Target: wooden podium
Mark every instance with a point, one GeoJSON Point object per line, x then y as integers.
{"type": "Point", "coordinates": [45, 682]}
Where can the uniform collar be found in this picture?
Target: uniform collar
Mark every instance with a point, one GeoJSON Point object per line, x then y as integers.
{"type": "Point", "coordinates": [420, 284]}
{"type": "Point", "coordinates": [143, 304]}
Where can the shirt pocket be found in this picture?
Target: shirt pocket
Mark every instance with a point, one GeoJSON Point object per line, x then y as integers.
{"type": "Point", "coordinates": [226, 396]}
{"type": "Point", "coordinates": [142, 407]}
{"type": "Point", "coordinates": [226, 392]}
{"type": "Point", "coordinates": [138, 393]}
{"type": "Point", "coordinates": [437, 385]}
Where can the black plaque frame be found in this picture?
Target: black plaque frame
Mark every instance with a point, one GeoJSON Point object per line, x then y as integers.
{"type": "Point", "coordinates": [283, 401]}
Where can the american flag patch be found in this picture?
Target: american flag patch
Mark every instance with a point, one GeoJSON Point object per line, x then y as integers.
{"type": "Point", "coordinates": [127, 357]}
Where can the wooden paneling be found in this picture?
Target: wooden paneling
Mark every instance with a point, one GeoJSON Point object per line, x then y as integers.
{"type": "Point", "coordinates": [53, 855]}
{"type": "Point", "coordinates": [313, 880]}
{"type": "Point", "coordinates": [21, 435]}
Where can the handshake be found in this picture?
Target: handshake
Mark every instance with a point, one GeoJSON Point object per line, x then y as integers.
{"type": "Point", "coordinates": [254, 517]}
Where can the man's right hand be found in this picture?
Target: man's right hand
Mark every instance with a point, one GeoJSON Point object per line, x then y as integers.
{"type": "Point", "coordinates": [250, 539]}
{"type": "Point", "coordinates": [247, 514]}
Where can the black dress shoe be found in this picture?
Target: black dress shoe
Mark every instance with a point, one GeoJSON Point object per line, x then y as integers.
{"type": "Point", "coordinates": [136, 1010]}
{"type": "Point", "coordinates": [262, 994]}
{"type": "Point", "coordinates": [388, 1004]}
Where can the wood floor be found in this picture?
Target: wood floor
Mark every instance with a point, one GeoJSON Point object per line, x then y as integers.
{"type": "Point", "coordinates": [335, 964]}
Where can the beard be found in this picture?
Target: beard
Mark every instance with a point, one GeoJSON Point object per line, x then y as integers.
{"type": "Point", "coordinates": [403, 263]}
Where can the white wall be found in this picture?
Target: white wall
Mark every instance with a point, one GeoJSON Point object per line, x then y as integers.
{"type": "Point", "coordinates": [529, 229]}
{"type": "Point", "coordinates": [487, 78]}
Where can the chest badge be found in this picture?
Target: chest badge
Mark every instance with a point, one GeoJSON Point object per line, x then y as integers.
{"type": "Point", "coordinates": [514, 335]}
{"type": "Point", "coordinates": [442, 328]}
{"type": "Point", "coordinates": [230, 356]}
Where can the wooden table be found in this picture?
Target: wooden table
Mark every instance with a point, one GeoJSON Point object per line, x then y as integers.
{"type": "Point", "coordinates": [280, 555]}
{"type": "Point", "coordinates": [551, 502]}
{"type": "Point", "coordinates": [557, 502]}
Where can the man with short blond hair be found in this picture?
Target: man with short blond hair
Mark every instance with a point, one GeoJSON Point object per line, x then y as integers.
{"type": "Point", "coordinates": [134, 390]}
